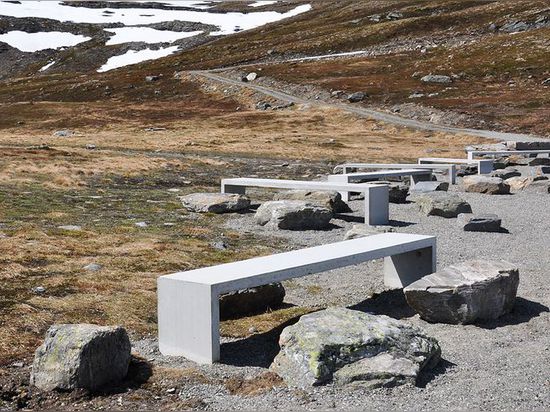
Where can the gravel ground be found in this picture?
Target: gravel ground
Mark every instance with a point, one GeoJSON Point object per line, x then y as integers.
{"type": "Point", "coordinates": [502, 364]}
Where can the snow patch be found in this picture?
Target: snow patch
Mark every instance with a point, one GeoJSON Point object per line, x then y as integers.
{"type": "Point", "coordinates": [47, 66]}
{"type": "Point", "coordinates": [261, 3]}
{"type": "Point", "coordinates": [32, 42]}
{"type": "Point", "coordinates": [134, 57]}
{"type": "Point", "coordinates": [146, 35]}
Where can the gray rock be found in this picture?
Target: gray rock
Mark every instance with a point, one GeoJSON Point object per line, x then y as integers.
{"type": "Point", "coordinates": [337, 94]}
{"type": "Point", "coordinates": [219, 245]}
{"type": "Point", "coordinates": [363, 230]}
{"type": "Point", "coordinates": [251, 76]}
{"type": "Point", "coordinates": [394, 15]}
{"type": "Point", "coordinates": [540, 161]}
{"type": "Point", "coordinates": [464, 293]}
{"type": "Point", "coordinates": [263, 105]}
{"type": "Point", "coordinates": [64, 133]}
{"type": "Point", "coordinates": [536, 145]}
{"type": "Point", "coordinates": [357, 97]}
{"type": "Point", "coordinates": [519, 183]}
{"type": "Point", "coordinates": [398, 193]}
{"type": "Point", "coordinates": [251, 301]}
{"type": "Point", "coordinates": [515, 26]}
{"type": "Point", "coordinates": [441, 204]}
{"type": "Point", "coordinates": [484, 184]}
{"type": "Point", "coordinates": [430, 187]}
{"type": "Point", "coordinates": [215, 202]}
{"type": "Point", "coordinates": [480, 223]}
{"type": "Point", "coordinates": [347, 346]}
{"type": "Point", "coordinates": [93, 267]}
{"type": "Point", "coordinates": [90, 146]}
{"type": "Point", "coordinates": [541, 170]}
{"type": "Point", "coordinates": [38, 290]}
{"type": "Point", "coordinates": [505, 173]}
{"type": "Point", "coordinates": [81, 356]}
{"type": "Point", "coordinates": [141, 224]}
{"type": "Point", "coordinates": [436, 78]}
{"type": "Point", "coordinates": [293, 215]}
{"type": "Point", "coordinates": [330, 200]}
{"type": "Point", "coordinates": [70, 228]}
{"type": "Point", "coordinates": [466, 171]}
{"type": "Point", "coordinates": [152, 78]}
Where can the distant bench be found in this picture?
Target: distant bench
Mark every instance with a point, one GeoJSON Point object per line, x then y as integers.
{"type": "Point", "coordinates": [416, 175]}
{"type": "Point", "coordinates": [473, 153]}
{"type": "Point", "coordinates": [188, 302]}
{"type": "Point", "coordinates": [376, 195]}
{"type": "Point", "coordinates": [484, 166]}
{"type": "Point", "coordinates": [350, 167]}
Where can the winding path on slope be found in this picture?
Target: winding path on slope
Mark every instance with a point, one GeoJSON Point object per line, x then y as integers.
{"type": "Point", "coordinates": [370, 113]}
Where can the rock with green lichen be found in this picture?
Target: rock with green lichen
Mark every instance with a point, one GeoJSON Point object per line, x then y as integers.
{"type": "Point", "coordinates": [81, 356]}
{"type": "Point", "coordinates": [346, 346]}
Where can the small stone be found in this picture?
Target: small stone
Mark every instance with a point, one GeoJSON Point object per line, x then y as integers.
{"type": "Point", "coordinates": [39, 290]}
{"type": "Point", "coordinates": [171, 391]}
{"type": "Point", "coordinates": [506, 173]}
{"type": "Point", "coordinates": [251, 76]}
{"type": "Point", "coordinates": [17, 364]}
{"type": "Point", "coordinates": [479, 223]}
{"type": "Point", "coordinates": [337, 94]}
{"type": "Point", "coordinates": [64, 133]}
{"type": "Point", "coordinates": [152, 78]}
{"type": "Point", "coordinates": [93, 267]}
{"type": "Point", "coordinates": [141, 224]}
{"type": "Point", "coordinates": [436, 78]}
{"type": "Point", "coordinates": [252, 329]}
{"type": "Point", "coordinates": [357, 97]}
{"type": "Point", "coordinates": [263, 105]}
{"type": "Point", "coordinates": [90, 146]}
{"type": "Point", "coordinates": [219, 245]}
{"type": "Point", "coordinates": [70, 228]}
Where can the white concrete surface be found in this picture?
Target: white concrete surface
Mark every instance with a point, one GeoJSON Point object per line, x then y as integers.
{"type": "Point", "coordinates": [376, 195]}
{"type": "Point", "coordinates": [451, 168]}
{"type": "Point", "coordinates": [188, 302]}
{"type": "Point", "coordinates": [484, 166]}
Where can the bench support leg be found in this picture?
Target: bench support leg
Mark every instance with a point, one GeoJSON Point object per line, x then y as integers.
{"type": "Point", "coordinates": [377, 205]}
{"type": "Point", "coordinates": [452, 174]}
{"type": "Point", "coordinates": [485, 166]}
{"type": "Point", "coordinates": [403, 269]}
{"type": "Point", "coordinates": [188, 320]}
{"type": "Point", "coordinates": [420, 178]}
{"type": "Point", "coordinates": [343, 178]}
{"type": "Point", "coordinates": [239, 190]}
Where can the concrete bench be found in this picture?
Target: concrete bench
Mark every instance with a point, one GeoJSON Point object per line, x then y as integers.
{"type": "Point", "coordinates": [473, 153]}
{"type": "Point", "coordinates": [416, 175]}
{"type": "Point", "coordinates": [349, 167]}
{"type": "Point", "coordinates": [484, 166]}
{"type": "Point", "coordinates": [376, 195]}
{"type": "Point", "coordinates": [188, 302]}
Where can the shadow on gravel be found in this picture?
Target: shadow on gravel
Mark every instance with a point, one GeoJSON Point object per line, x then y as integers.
{"type": "Point", "coordinates": [139, 373]}
{"type": "Point", "coordinates": [390, 302]}
{"type": "Point", "coordinates": [427, 376]}
{"type": "Point", "coordinates": [361, 219]}
{"type": "Point", "coordinates": [524, 310]}
{"type": "Point", "coordinates": [256, 350]}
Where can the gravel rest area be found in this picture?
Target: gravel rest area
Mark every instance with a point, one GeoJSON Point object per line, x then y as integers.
{"type": "Point", "coordinates": [496, 365]}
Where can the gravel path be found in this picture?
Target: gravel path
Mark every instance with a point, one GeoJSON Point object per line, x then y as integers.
{"type": "Point", "coordinates": [502, 364]}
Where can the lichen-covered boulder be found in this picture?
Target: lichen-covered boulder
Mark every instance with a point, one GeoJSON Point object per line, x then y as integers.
{"type": "Point", "coordinates": [330, 200]}
{"type": "Point", "coordinates": [441, 204]}
{"type": "Point", "coordinates": [432, 186]}
{"type": "Point", "coordinates": [81, 356]}
{"type": "Point", "coordinates": [293, 215]}
{"type": "Point", "coordinates": [363, 230]}
{"type": "Point", "coordinates": [253, 300]}
{"type": "Point", "coordinates": [484, 184]}
{"type": "Point", "coordinates": [215, 202]}
{"type": "Point", "coordinates": [466, 292]}
{"type": "Point", "coordinates": [347, 346]}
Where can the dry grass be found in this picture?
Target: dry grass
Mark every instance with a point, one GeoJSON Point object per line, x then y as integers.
{"type": "Point", "coordinates": [253, 386]}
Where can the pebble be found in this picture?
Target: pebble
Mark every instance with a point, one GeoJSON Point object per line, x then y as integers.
{"type": "Point", "coordinates": [70, 228]}
{"type": "Point", "coordinates": [141, 224]}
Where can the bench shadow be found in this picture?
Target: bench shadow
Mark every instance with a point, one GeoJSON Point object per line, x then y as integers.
{"type": "Point", "coordinates": [524, 310]}
{"type": "Point", "coordinates": [361, 219]}
{"type": "Point", "coordinates": [256, 350]}
{"type": "Point", "coordinates": [391, 303]}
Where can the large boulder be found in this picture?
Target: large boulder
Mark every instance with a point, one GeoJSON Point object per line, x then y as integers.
{"type": "Point", "coordinates": [484, 184]}
{"type": "Point", "coordinates": [398, 193]}
{"type": "Point", "coordinates": [436, 78]}
{"type": "Point", "coordinates": [81, 356]}
{"type": "Point", "coordinates": [536, 145]}
{"type": "Point", "coordinates": [480, 223]}
{"type": "Point", "coordinates": [293, 215]}
{"type": "Point", "coordinates": [330, 200]}
{"type": "Point", "coordinates": [345, 346]}
{"type": "Point", "coordinates": [252, 300]}
{"type": "Point", "coordinates": [506, 173]}
{"type": "Point", "coordinates": [215, 202]}
{"type": "Point", "coordinates": [464, 293]}
{"type": "Point", "coordinates": [540, 161]}
{"type": "Point", "coordinates": [441, 204]}
{"type": "Point", "coordinates": [427, 186]}
{"type": "Point", "coordinates": [519, 183]}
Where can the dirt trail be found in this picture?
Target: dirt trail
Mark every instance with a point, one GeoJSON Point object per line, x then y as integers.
{"type": "Point", "coordinates": [374, 114]}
